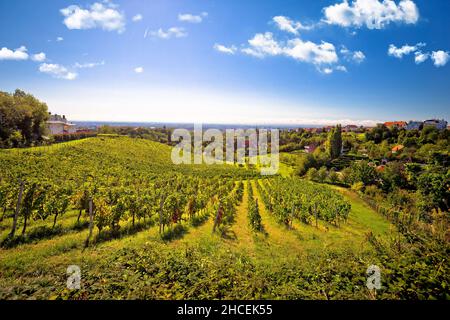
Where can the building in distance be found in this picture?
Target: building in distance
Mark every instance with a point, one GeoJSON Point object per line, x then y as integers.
{"type": "Point", "coordinates": [58, 124]}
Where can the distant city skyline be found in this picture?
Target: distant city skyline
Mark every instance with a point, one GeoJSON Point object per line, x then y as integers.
{"type": "Point", "coordinates": [230, 62]}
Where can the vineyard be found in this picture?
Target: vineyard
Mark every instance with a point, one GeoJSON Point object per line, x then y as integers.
{"type": "Point", "coordinates": [141, 227]}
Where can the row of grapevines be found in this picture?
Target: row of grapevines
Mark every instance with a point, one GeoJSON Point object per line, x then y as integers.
{"type": "Point", "coordinates": [169, 198]}
{"type": "Point", "coordinates": [226, 208]}
{"type": "Point", "coordinates": [293, 198]}
{"type": "Point", "coordinates": [254, 217]}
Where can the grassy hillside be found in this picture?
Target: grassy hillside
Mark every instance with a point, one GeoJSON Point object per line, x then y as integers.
{"type": "Point", "coordinates": [189, 261]}
{"type": "Point", "coordinates": [100, 156]}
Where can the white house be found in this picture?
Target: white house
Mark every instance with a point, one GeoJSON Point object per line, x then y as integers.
{"type": "Point", "coordinates": [438, 124]}
{"type": "Point", "coordinates": [57, 124]}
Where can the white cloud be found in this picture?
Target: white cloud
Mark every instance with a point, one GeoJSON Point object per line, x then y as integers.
{"type": "Point", "coordinates": [421, 57]}
{"type": "Point", "coordinates": [99, 15]}
{"type": "Point", "coordinates": [285, 24]}
{"type": "Point", "coordinates": [341, 68]}
{"type": "Point", "coordinates": [353, 56]}
{"type": "Point", "coordinates": [174, 32]}
{"type": "Point", "coordinates": [440, 58]}
{"type": "Point", "coordinates": [374, 14]}
{"type": "Point", "coordinates": [358, 56]}
{"type": "Point", "coordinates": [137, 18]}
{"type": "Point", "coordinates": [327, 70]}
{"type": "Point", "coordinates": [89, 65]}
{"type": "Point", "coordinates": [57, 71]}
{"type": "Point", "coordinates": [139, 70]}
{"type": "Point", "coordinates": [224, 49]}
{"type": "Point", "coordinates": [404, 50]}
{"type": "Point", "coordinates": [39, 57]}
{"type": "Point", "coordinates": [17, 54]}
{"type": "Point", "coordinates": [59, 39]}
{"type": "Point", "coordinates": [318, 54]}
{"type": "Point", "coordinates": [263, 44]}
{"type": "Point", "coordinates": [187, 17]}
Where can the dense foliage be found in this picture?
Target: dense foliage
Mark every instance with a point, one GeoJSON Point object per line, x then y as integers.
{"type": "Point", "coordinates": [22, 119]}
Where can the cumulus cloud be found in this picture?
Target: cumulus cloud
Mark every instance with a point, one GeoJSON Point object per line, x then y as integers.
{"type": "Point", "coordinates": [440, 58]}
{"type": "Point", "coordinates": [323, 55]}
{"type": "Point", "coordinates": [99, 15]}
{"type": "Point", "coordinates": [404, 50]}
{"type": "Point", "coordinates": [264, 44]}
{"type": "Point", "coordinates": [17, 54]}
{"type": "Point", "coordinates": [374, 14]}
{"type": "Point", "coordinates": [421, 57]}
{"type": "Point", "coordinates": [139, 70]}
{"type": "Point", "coordinates": [353, 56]}
{"type": "Point", "coordinates": [59, 39]}
{"type": "Point", "coordinates": [174, 32]}
{"type": "Point", "coordinates": [137, 18]}
{"type": "Point", "coordinates": [358, 56]}
{"type": "Point", "coordinates": [89, 65]}
{"type": "Point", "coordinates": [39, 57]}
{"type": "Point", "coordinates": [187, 17]}
{"type": "Point", "coordinates": [285, 24]}
{"type": "Point", "coordinates": [57, 71]}
{"type": "Point", "coordinates": [224, 49]}
{"type": "Point", "coordinates": [307, 51]}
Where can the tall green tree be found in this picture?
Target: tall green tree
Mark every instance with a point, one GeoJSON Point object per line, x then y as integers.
{"type": "Point", "coordinates": [335, 142]}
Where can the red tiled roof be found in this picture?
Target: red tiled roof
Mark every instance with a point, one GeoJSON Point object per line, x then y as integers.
{"type": "Point", "coordinates": [397, 148]}
{"type": "Point", "coordinates": [395, 123]}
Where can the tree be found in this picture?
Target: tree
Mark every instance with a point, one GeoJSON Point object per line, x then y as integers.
{"type": "Point", "coordinates": [305, 162]}
{"type": "Point", "coordinates": [361, 171]}
{"type": "Point", "coordinates": [394, 176]}
{"type": "Point", "coordinates": [335, 142]}
{"type": "Point", "coordinates": [436, 189]}
{"type": "Point", "coordinates": [22, 119]}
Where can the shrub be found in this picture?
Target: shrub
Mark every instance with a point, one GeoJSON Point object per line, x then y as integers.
{"type": "Point", "coordinates": [312, 174]}
{"type": "Point", "coordinates": [358, 186]}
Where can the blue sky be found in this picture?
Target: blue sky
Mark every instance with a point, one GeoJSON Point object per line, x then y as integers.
{"type": "Point", "coordinates": [302, 62]}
